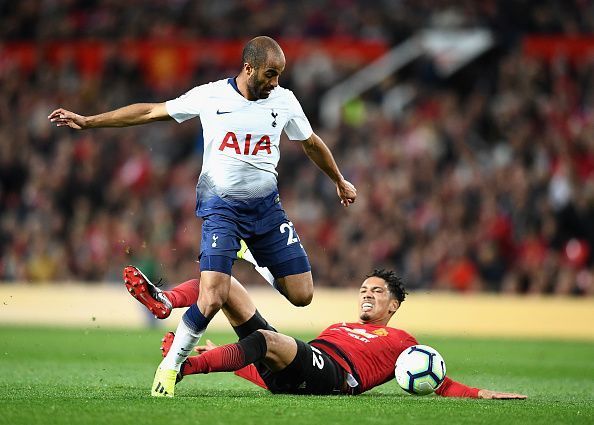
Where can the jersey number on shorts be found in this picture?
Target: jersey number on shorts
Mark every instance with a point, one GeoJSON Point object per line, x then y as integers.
{"type": "Point", "coordinates": [292, 236]}
{"type": "Point", "coordinates": [318, 360]}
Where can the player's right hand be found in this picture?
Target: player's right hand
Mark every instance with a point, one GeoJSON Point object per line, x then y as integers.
{"type": "Point", "coordinates": [65, 118]}
{"type": "Point", "coordinates": [496, 395]}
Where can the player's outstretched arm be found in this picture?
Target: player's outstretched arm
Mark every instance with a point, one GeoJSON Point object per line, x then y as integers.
{"type": "Point", "coordinates": [496, 395]}
{"type": "Point", "coordinates": [451, 388]}
{"type": "Point", "coordinates": [138, 113]}
{"type": "Point", "coordinates": [320, 154]}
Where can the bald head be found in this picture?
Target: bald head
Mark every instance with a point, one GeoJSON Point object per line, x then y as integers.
{"type": "Point", "coordinates": [260, 50]}
{"type": "Point", "coordinates": [263, 63]}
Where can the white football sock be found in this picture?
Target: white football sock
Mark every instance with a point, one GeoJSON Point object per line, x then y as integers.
{"type": "Point", "coordinates": [183, 344]}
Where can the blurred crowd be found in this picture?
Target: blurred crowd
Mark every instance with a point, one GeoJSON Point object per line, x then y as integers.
{"type": "Point", "coordinates": [484, 182]}
{"type": "Point", "coordinates": [491, 190]}
{"type": "Point", "coordinates": [389, 20]}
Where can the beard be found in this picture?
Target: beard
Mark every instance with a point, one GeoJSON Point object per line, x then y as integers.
{"type": "Point", "coordinates": [256, 88]}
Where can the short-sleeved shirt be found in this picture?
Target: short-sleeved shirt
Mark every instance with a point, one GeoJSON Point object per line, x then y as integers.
{"type": "Point", "coordinates": [368, 352]}
{"type": "Point", "coordinates": [241, 137]}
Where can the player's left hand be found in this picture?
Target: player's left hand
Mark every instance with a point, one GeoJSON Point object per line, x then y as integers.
{"type": "Point", "coordinates": [201, 349]}
{"type": "Point", "coordinates": [495, 395]}
{"type": "Point", "coordinates": [346, 192]}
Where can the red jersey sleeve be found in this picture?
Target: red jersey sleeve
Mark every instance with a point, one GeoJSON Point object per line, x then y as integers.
{"type": "Point", "coordinates": [451, 388]}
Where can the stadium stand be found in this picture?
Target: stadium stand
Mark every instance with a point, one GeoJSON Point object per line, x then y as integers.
{"type": "Point", "coordinates": [480, 181]}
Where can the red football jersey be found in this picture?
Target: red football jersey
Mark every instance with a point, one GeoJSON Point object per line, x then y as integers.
{"type": "Point", "coordinates": [371, 350]}
{"type": "Point", "coordinates": [369, 353]}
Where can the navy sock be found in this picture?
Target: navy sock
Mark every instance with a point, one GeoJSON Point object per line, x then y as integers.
{"type": "Point", "coordinates": [194, 319]}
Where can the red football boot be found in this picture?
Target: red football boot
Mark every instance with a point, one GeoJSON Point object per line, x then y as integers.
{"type": "Point", "coordinates": [166, 343]}
{"type": "Point", "coordinates": [165, 347]}
{"type": "Point", "coordinates": [141, 288]}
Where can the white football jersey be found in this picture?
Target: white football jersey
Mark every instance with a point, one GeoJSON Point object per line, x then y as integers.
{"type": "Point", "coordinates": [241, 137]}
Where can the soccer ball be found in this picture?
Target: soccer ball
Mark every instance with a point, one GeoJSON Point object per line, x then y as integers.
{"type": "Point", "coordinates": [420, 370]}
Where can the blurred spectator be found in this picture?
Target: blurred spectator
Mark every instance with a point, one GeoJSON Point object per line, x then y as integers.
{"type": "Point", "coordinates": [482, 183]}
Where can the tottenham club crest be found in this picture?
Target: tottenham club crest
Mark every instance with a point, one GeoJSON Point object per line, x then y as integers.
{"type": "Point", "coordinates": [214, 241]}
{"type": "Point", "coordinates": [274, 115]}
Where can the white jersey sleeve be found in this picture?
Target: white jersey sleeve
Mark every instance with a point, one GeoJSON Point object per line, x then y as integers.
{"type": "Point", "coordinates": [188, 105]}
{"type": "Point", "coordinates": [298, 126]}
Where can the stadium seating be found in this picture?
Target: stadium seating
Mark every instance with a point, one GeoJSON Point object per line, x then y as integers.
{"type": "Point", "coordinates": [482, 181]}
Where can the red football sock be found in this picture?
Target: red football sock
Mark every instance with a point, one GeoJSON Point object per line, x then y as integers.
{"type": "Point", "coordinates": [185, 294]}
{"type": "Point", "coordinates": [226, 358]}
{"type": "Point", "coordinates": [230, 357]}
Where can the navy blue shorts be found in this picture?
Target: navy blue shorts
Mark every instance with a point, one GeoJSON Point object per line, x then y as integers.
{"type": "Point", "coordinates": [261, 223]}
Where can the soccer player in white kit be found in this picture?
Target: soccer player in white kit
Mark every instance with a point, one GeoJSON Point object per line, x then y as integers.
{"type": "Point", "coordinates": [237, 195]}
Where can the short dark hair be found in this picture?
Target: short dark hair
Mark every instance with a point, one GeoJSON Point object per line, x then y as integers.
{"type": "Point", "coordinates": [395, 283]}
{"type": "Point", "coordinates": [256, 51]}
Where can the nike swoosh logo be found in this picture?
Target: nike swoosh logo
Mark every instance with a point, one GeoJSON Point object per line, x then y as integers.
{"type": "Point", "coordinates": [223, 112]}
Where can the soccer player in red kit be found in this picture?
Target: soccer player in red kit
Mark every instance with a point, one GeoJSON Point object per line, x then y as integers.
{"type": "Point", "coordinates": [346, 358]}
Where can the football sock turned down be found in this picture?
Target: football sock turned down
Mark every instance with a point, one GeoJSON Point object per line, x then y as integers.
{"type": "Point", "coordinates": [252, 324]}
{"type": "Point", "coordinates": [230, 357]}
{"type": "Point", "coordinates": [187, 335]}
{"type": "Point", "coordinates": [185, 294]}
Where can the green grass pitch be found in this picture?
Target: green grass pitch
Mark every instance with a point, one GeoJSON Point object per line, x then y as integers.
{"type": "Point", "coordinates": [102, 376]}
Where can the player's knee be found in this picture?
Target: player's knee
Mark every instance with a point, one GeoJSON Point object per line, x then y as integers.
{"type": "Point", "coordinates": [299, 289]}
{"type": "Point", "coordinates": [280, 349]}
{"type": "Point", "coordinates": [301, 299]}
{"type": "Point", "coordinates": [300, 295]}
{"type": "Point", "coordinates": [271, 338]}
{"type": "Point", "coordinates": [214, 305]}
{"type": "Point", "coordinates": [210, 305]}
{"type": "Point", "coordinates": [275, 344]}
{"type": "Point", "coordinates": [213, 295]}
